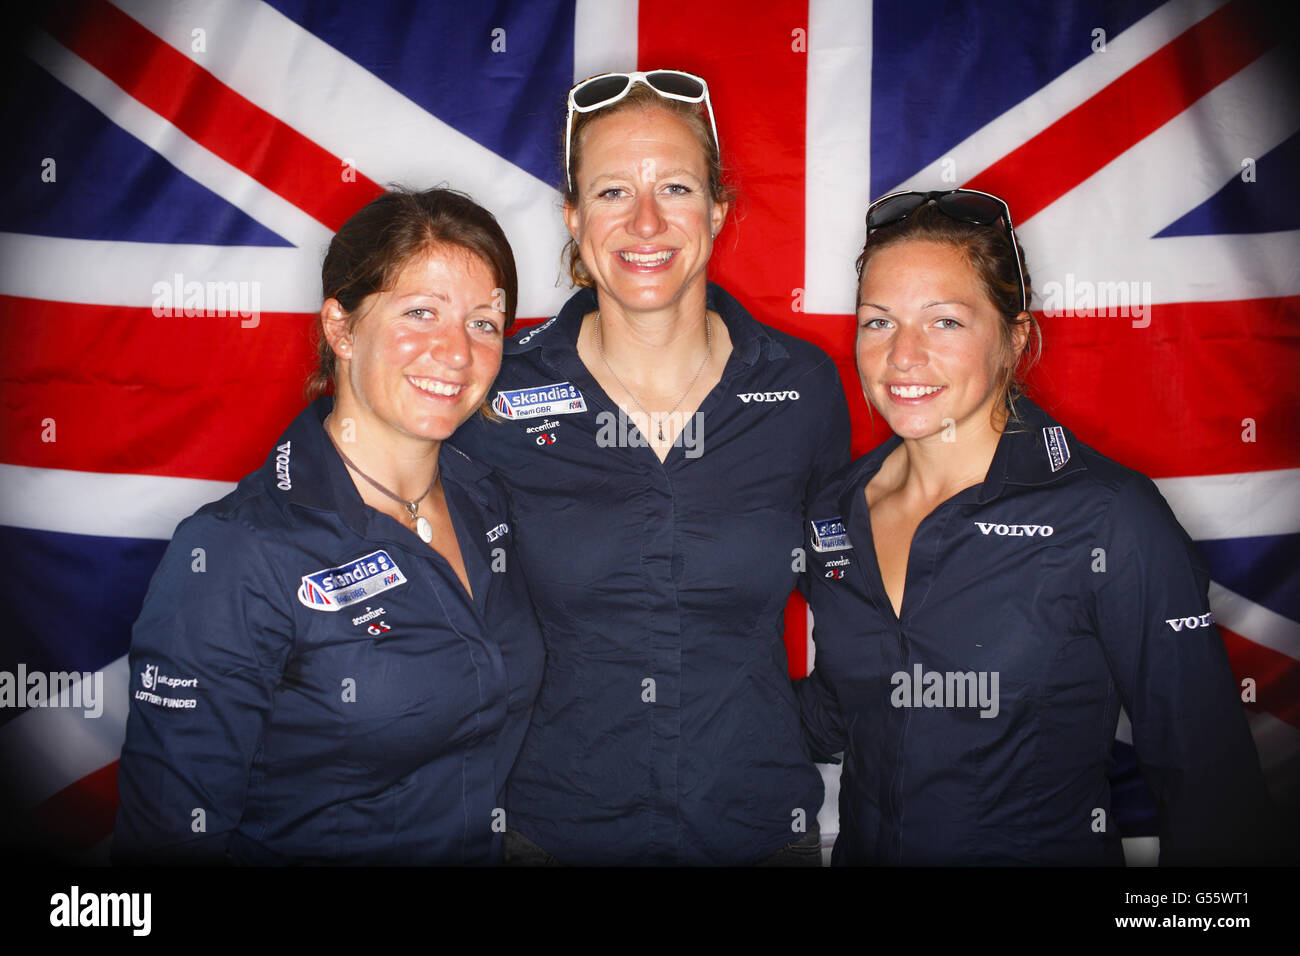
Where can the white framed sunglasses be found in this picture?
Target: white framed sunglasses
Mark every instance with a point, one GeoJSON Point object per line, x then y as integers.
{"type": "Point", "coordinates": [597, 92]}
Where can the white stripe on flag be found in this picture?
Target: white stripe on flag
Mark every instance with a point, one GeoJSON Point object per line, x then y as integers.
{"type": "Point", "coordinates": [808, 637]}
{"type": "Point", "coordinates": [1240, 505]}
{"type": "Point", "coordinates": [1075, 86]}
{"type": "Point", "coordinates": [99, 272]}
{"type": "Point", "coordinates": [195, 161]}
{"type": "Point", "coordinates": [353, 114]}
{"type": "Point", "coordinates": [839, 189]}
{"type": "Point", "coordinates": [85, 502]}
{"type": "Point", "coordinates": [605, 38]}
{"type": "Point", "coordinates": [1101, 231]}
{"type": "Point", "coordinates": [1255, 622]}
{"type": "Point", "coordinates": [46, 749]}
{"type": "Point", "coordinates": [838, 154]}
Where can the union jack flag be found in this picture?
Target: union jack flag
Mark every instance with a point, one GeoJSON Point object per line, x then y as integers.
{"type": "Point", "coordinates": [176, 170]}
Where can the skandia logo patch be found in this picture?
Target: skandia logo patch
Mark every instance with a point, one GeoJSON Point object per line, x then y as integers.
{"type": "Point", "coordinates": [829, 534]}
{"type": "Point", "coordinates": [562, 398]}
{"type": "Point", "coordinates": [1058, 450]}
{"type": "Point", "coordinates": [787, 396]}
{"type": "Point", "coordinates": [331, 589]}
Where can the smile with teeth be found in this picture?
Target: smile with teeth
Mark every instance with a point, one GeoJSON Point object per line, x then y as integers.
{"type": "Point", "coordinates": [913, 391]}
{"type": "Point", "coordinates": [647, 258]}
{"type": "Point", "coordinates": [435, 387]}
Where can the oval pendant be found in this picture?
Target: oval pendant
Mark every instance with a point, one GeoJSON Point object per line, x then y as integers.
{"type": "Point", "coordinates": [424, 529]}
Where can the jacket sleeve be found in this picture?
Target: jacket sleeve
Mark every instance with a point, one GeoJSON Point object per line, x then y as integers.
{"type": "Point", "coordinates": [207, 653]}
{"type": "Point", "coordinates": [1190, 733]}
{"type": "Point", "coordinates": [820, 715]}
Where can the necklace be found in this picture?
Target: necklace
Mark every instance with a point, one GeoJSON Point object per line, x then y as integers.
{"type": "Point", "coordinates": [421, 524]}
{"type": "Point", "coordinates": [708, 351]}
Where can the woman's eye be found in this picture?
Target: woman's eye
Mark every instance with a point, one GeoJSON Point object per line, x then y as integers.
{"type": "Point", "coordinates": [485, 325]}
{"type": "Point", "coordinates": [677, 189]}
{"type": "Point", "coordinates": [947, 323]}
{"type": "Point", "coordinates": [876, 323]}
{"type": "Point", "coordinates": [420, 313]}
{"type": "Point", "coordinates": [613, 192]}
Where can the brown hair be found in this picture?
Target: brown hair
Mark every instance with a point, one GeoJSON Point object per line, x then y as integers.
{"type": "Point", "coordinates": [378, 241]}
{"type": "Point", "coordinates": [643, 98]}
{"type": "Point", "coordinates": [989, 252]}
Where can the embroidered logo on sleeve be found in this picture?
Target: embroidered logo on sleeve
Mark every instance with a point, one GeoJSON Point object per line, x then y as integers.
{"type": "Point", "coordinates": [562, 398]}
{"type": "Point", "coordinates": [333, 588]}
{"type": "Point", "coordinates": [1058, 450]}
{"type": "Point", "coordinates": [829, 534]}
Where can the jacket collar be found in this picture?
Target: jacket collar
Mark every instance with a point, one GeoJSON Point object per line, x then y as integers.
{"type": "Point", "coordinates": [559, 334]}
{"type": "Point", "coordinates": [1034, 449]}
{"type": "Point", "coordinates": [306, 461]}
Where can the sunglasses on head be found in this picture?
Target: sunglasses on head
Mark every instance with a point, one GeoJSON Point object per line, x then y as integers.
{"type": "Point", "coordinates": [600, 91]}
{"type": "Point", "coordinates": [965, 205]}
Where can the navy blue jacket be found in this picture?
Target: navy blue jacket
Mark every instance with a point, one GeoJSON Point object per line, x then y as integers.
{"type": "Point", "coordinates": [310, 682]}
{"type": "Point", "coordinates": [666, 730]}
{"type": "Point", "coordinates": [1065, 578]}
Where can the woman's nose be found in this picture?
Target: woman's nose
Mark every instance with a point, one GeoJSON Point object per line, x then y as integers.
{"type": "Point", "coordinates": [646, 218]}
{"type": "Point", "coordinates": [907, 350]}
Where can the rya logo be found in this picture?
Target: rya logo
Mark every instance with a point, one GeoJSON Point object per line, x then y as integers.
{"type": "Point", "coordinates": [748, 397]}
{"type": "Point", "coordinates": [1015, 530]}
{"type": "Point", "coordinates": [1201, 620]}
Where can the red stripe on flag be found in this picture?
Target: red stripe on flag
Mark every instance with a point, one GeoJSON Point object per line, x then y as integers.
{"type": "Point", "coordinates": [758, 86]}
{"type": "Point", "coordinates": [211, 113]}
{"type": "Point", "coordinates": [796, 635]}
{"type": "Point", "coordinates": [1131, 108]}
{"type": "Point", "coordinates": [125, 391]}
{"type": "Point", "coordinates": [1276, 676]}
{"type": "Point", "coordinates": [81, 814]}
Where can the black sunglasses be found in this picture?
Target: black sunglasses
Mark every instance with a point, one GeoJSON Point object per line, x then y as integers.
{"type": "Point", "coordinates": [965, 205]}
